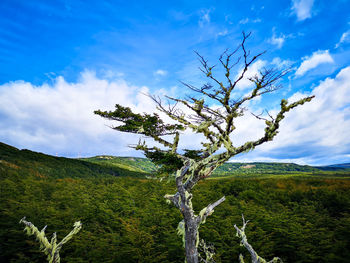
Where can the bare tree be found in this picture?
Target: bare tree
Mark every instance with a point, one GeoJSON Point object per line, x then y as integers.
{"type": "Point", "coordinates": [215, 123]}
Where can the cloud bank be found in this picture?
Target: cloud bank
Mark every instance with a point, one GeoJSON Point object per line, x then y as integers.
{"type": "Point", "coordinates": [314, 133]}
{"type": "Point", "coordinates": [58, 118]}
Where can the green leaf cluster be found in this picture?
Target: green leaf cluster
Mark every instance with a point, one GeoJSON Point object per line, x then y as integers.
{"type": "Point", "coordinates": [149, 125]}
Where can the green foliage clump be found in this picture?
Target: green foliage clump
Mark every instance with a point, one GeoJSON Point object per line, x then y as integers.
{"type": "Point", "coordinates": [169, 162]}
{"type": "Point", "coordinates": [139, 123]}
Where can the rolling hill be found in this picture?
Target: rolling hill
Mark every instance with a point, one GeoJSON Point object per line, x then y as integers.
{"type": "Point", "coordinates": [228, 169]}
{"type": "Point", "coordinates": [334, 167]}
{"type": "Point", "coordinates": [26, 162]}
{"type": "Point", "coordinates": [29, 162]}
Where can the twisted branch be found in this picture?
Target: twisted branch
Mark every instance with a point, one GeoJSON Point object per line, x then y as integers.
{"type": "Point", "coordinates": [244, 242]}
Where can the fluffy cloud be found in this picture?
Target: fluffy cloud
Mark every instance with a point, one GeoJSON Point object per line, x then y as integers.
{"type": "Point", "coordinates": [59, 118]}
{"type": "Point", "coordinates": [310, 62]}
{"type": "Point", "coordinates": [277, 40]}
{"type": "Point", "coordinates": [315, 133]}
{"type": "Point", "coordinates": [302, 9]}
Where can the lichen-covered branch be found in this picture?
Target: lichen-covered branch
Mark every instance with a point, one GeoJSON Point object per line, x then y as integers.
{"type": "Point", "coordinates": [271, 131]}
{"type": "Point", "coordinates": [244, 242]}
{"type": "Point", "coordinates": [208, 251]}
{"type": "Point", "coordinates": [51, 249]}
{"type": "Point", "coordinates": [207, 211]}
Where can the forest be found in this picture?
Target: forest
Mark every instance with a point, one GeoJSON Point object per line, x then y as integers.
{"type": "Point", "coordinates": [299, 216]}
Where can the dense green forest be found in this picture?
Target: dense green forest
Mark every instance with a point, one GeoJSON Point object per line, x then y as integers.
{"type": "Point", "coordinates": [300, 216]}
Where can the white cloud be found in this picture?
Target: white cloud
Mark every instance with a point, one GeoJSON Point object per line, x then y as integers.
{"type": "Point", "coordinates": [345, 38]}
{"type": "Point", "coordinates": [277, 40]}
{"type": "Point", "coordinates": [314, 133]}
{"type": "Point", "coordinates": [160, 72]}
{"type": "Point", "coordinates": [59, 117]}
{"type": "Point", "coordinates": [302, 9]}
{"type": "Point", "coordinates": [280, 39]}
{"type": "Point", "coordinates": [310, 62]}
{"type": "Point", "coordinates": [281, 64]}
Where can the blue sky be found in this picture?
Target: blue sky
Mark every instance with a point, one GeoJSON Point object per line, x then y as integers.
{"type": "Point", "coordinates": [60, 60]}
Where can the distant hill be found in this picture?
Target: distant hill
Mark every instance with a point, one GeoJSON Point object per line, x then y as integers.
{"type": "Point", "coordinates": [342, 165]}
{"type": "Point", "coordinates": [227, 169]}
{"type": "Point", "coordinates": [29, 162]}
{"type": "Point", "coordinates": [135, 164]}
{"type": "Point", "coordinates": [26, 162]}
{"type": "Point", "coordinates": [335, 167]}
{"type": "Point", "coordinates": [232, 168]}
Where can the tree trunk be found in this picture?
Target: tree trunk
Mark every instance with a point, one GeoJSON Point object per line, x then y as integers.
{"type": "Point", "coordinates": [191, 232]}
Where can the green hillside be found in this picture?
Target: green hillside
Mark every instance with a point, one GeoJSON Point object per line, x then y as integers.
{"type": "Point", "coordinates": [135, 164]}
{"type": "Point", "coordinates": [27, 162]}
{"type": "Point", "coordinates": [228, 169]}
{"type": "Point", "coordinates": [262, 168]}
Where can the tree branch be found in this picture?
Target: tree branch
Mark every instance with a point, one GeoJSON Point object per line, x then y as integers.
{"type": "Point", "coordinates": [207, 211]}
{"type": "Point", "coordinates": [51, 249]}
{"type": "Point", "coordinates": [254, 256]}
